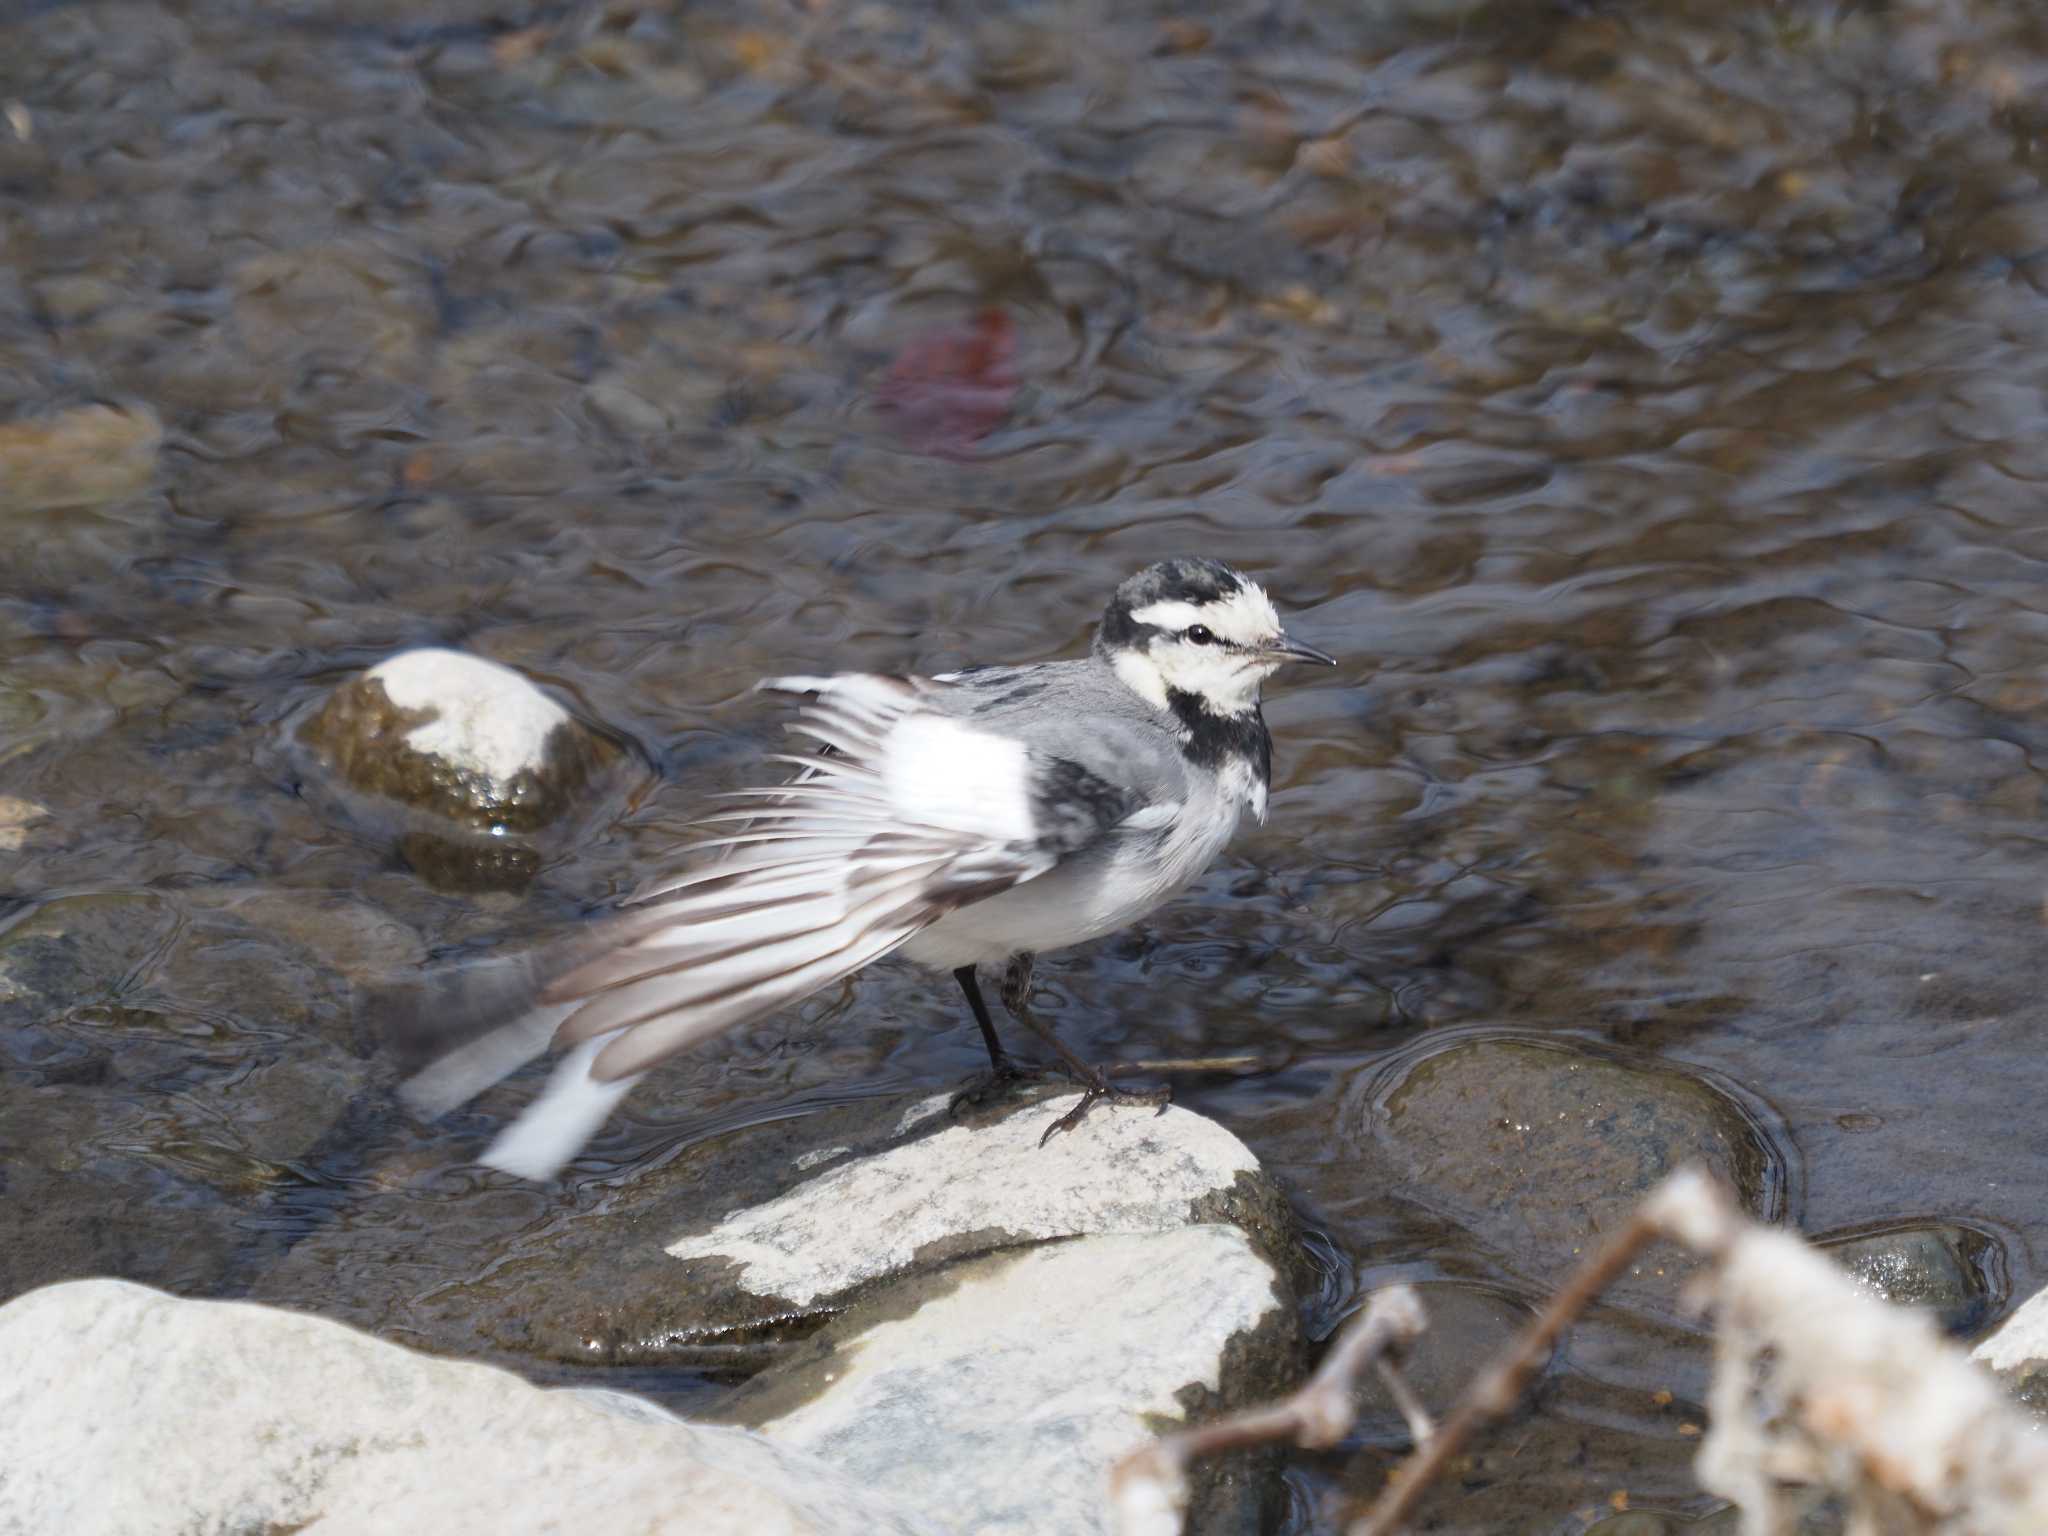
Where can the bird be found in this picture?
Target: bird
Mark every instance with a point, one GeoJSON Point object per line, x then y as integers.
{"type": "Point", "coordinates": [961, 820]}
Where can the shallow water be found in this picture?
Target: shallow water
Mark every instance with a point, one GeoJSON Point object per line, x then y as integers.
{"type": "Point", "coordinates": [1646, 402]}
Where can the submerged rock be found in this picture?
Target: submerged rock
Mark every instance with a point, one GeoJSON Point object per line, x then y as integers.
{"type": "Point", "coordinates": [475, 756]}
{"type": "Point", "coordinates": [86, 457]}
{"type": "Point", "coordinates": [125, 1149]}
{"type": "Point", "coordinates": [1647, 1522]}
{"type": "Point", "coordinates": [1826, 1520]}
{"type": "Point", "coordinates": [1470, 1329]}
{"type": "Point", "coordinates": [127, 1412]}
{"type": "Point", "coordinates": [1951, 1271]}
{"type": "Point", "coordinates": [16, 817]}
{"type": "Point", "coordinates": [1542, 1147]}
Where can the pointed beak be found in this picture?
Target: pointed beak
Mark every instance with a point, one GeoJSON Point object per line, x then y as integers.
{"type": "Point", "coordinates": [1283, 649]}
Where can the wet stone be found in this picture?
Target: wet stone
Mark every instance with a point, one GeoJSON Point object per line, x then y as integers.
{"type": "Point", "coordinates": [358, 940]}
{"type": "Point", "coordinates": [74, 1203]}
{"type": "Point", "coordinates": [724, 1257]}
{"type": "Point", "coordinates": [77, 950]}
{"type": "Point", "coordinates": [627, 412]}
{"type": "Point", "coordinates": [458, 737]}
{"type": "Point", "coordinates": [471, 864]}
{"type": "Point", "coordinates": [16, 817]}
{"type": "Point", "coordinates": [19, 709]}
{"type": "Point", "coordinates": [1951, 1271]}
{"type": "Point", "coordinates": [1541, 1148]}
{"type": "Point", "coordinates": [469, 757]}
{"type": "Point", "coordinates": [124, 1148]}
{"type": "Point", "coordinates": [130, 1412]}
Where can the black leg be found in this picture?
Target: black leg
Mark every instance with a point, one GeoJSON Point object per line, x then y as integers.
{"type": "Point", "coordinates": [997, 1056]}
{"type": "Point", "coordinates": [1013, 990]}
{"type": "Point", "coordinates": [1095, 1087]}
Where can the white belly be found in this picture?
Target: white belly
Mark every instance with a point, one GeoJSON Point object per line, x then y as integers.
{"type": "Point", "coordinates": [1083, 898]}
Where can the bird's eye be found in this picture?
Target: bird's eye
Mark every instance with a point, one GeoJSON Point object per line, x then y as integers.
{"type": "Point", "coordinates": [1199, 633]}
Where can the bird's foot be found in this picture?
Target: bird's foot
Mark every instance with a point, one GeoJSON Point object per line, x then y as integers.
{"type": "Point", "coordinates": [999, 1079]}
{"type": "Point", "coordinates": [1098, 1089]}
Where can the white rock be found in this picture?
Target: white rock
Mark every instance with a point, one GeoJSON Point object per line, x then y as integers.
{"type": "Point", "coordinates": [2020, 1340]}
{"type": "Point", "coordinates": [126, 1412]}
{"type": "Point", "coordinates": [489, 719]}
{"type": "Point", "coordinates": [1005, 1401]}
{"type": "Point", "coordinates": [1120, 1170]}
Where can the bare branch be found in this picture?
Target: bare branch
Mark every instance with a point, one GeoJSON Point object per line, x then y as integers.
{"type": "Point", "coordinates": [1420, 1425]}
{"type": "Point", "coordinates": [1148, 1488]}
{"type": "Point", "coordinates": [1818, 1388]}
{"type": "Point", "coordinates": [1498, 1389]}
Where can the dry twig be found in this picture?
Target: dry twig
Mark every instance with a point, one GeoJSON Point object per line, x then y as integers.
{"type": "Point", "coordinates": [1818, 1389]}
{"type": "Point", "coordinates": [1148, 1488]}
{"type": "Point", "coordinates": [1494, 1393]}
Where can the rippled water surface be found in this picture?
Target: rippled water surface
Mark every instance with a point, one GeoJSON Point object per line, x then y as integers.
{"type": "Point", "coordinates": [1646, 401]}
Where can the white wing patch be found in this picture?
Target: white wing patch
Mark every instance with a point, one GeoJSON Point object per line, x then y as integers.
{"type": "Point", "coordinates": [941, 772]}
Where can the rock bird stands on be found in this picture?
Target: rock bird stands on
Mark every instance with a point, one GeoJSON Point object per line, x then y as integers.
{"type": "Point", "coordinates": [962, 820]}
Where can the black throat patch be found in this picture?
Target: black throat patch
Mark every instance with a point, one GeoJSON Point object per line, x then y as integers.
{"type": "Point", "coordinates": [1213, 740]}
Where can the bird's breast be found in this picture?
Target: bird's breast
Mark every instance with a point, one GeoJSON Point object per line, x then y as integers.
{"type": "Point", "coordinates": [1085, 897]}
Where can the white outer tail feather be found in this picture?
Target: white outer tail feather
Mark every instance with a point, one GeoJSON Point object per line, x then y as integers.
{"type": "Point", "coordinates": [554, 1127]}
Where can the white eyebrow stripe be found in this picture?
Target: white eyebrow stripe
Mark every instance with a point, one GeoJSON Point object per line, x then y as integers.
{"type": "Point", "coordinates": [1169, 614]}
{"type": "Point", "coordinates": [1245, 615]}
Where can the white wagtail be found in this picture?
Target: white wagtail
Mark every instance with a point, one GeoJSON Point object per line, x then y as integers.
{"type": "Point", "coordinates": [963, 820]}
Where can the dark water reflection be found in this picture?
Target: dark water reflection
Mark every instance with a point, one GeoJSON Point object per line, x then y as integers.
{"type": "Point", "coordinates": [1647, 401]}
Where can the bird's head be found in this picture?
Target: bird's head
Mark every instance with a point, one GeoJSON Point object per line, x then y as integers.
{"type": "Point", "coordinates": [1199, 629]}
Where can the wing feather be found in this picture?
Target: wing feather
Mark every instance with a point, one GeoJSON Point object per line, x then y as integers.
{"type": "Point", "coordinates": [825, 876]}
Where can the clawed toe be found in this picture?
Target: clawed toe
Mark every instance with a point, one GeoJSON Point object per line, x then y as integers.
{"type": "Point", "coordinates": [1102, 1090]}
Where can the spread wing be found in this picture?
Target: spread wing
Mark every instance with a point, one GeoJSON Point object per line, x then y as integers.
{"type": "Point", "coordinates": [912, 811]}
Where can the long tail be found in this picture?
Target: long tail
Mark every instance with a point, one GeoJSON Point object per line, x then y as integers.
{"type": "Point", "coordinates": [554, 1127]}
{"type": "Point", "coordinates": [492, 1012]}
